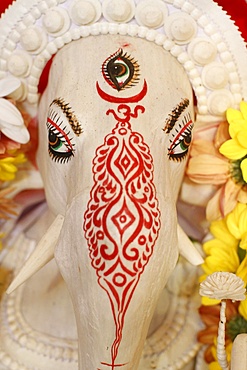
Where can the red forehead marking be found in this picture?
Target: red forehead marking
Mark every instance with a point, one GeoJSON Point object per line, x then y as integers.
{"type": "Point", "coordinates": [116, 99]}
{"type": "Point", "coordinates": [125, 45]}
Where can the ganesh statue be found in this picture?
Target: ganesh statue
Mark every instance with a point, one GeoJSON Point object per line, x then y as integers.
{"type": "Point", "coordinates": [95, 268]}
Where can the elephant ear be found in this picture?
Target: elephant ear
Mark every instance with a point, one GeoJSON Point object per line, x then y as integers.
{"type": "Point", "coordinates": [42, 254]}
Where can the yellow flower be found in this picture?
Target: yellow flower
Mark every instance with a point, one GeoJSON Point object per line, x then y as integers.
{"type": "Point", "coordinates": [214, 366]}
{"type": "Point", "coordinates": [237, 224]}
{"type": "Point", "coordinates": [1, 236]}
{"type": "Point", "coordinates": [221, 258]}
{"type": "Point", "coordinates": [8, 166]}
{"type": "Point", "coordinates": [227, 250]}
{"type": "Point", "coordinates": [236, 147]}
{"type": "Point", "coordinates": [218, 164]}
{"type": "Point", "coordinates": [243, 309]}
{"type": "Point", "coordinates": [218, 178]}
{"type": "Point", "coordinates": [221, 252]}
{"type": "Point", "coordinates": [242, 270]}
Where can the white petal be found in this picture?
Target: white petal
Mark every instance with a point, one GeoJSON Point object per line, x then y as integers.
{"type": "Point", "coordinates": [9, 114]}
{"type": "Point", "coordinates": [8, 85]}
{"type": "Point", "coordinates": [19, 134]}
{"type": "Point", "coordinates": [223, 285]}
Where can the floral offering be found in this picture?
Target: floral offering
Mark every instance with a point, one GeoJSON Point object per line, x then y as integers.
{"type": "Point", "coordinates": [13, 138]}
{"type": "Point", "coordinates": [218, 163]}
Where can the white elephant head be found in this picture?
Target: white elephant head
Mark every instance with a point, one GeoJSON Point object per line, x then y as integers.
{"type": "Point", "coordinates": [115, 130]}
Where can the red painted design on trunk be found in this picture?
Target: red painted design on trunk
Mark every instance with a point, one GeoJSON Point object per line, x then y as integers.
{"type": "Point", "coordinates": [122, 220]}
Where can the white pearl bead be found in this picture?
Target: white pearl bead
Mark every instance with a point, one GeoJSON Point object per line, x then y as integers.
{"type": "Point", "coordinates": [118, 10]}
{"type": "Point", "coordinates": [28, 20]}
{"type": "Point", "coordinates": [219, 101]}
{"type": "Point", "coordinates": [168, 44]}
{"type": "Point", "coordinates": [151, 13]}
{"type": "Point", "coordinates": [56, 21]}
{"type": "Point", "coordinates": [180, 27]}
{"type": "Point", "coordinates": [19, 64]}
{"type": "Point", "coordinates": [215, 76]}
{"type": "Point", "coordinates": [33, 39]}
{"type": "Point", "coordinates": [132, 30]}
{"type": "Point", "coordinates": [84, 12]}
{"type": "Point", "coordinates": [202, 51]}
{"type": "Point", "coordinates": [233, 77]}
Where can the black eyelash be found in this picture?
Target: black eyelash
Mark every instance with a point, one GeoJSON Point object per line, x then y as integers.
{"type": "Point", "coordinates": [180, 136]}
{"type": "Point", "coordinates": [70, 115]}
{"type": "Point", "coordinates": [174, 115]}
{"type": "Point", "coordinates": [59, 157]}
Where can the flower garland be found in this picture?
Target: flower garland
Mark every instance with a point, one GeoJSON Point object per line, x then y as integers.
{"type": "Point", "coordinates": [218, 167]}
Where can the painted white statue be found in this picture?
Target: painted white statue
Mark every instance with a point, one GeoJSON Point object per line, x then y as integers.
{"type": "Point", "coordinates": [115, 126]}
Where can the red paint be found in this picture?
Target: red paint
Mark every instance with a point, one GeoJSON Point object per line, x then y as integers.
{"type": "Point", "coordinates": [126, 112]}
{"type": "Point", "coordinates": [115, 99]}
{"type": "Point", "coordinates": [61, 132]}
{"type": "Point", "coordinates": [115, 365]}
{"type": "Point", "coordinates": [180, 133]}
{"type": "Point", "coordinates": [125, 45]}
{"type": "Point", "coordinates": [122, 220]}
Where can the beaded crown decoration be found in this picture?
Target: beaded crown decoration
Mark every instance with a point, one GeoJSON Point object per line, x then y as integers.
{"type": "Point", "coordinates": [200, 35]}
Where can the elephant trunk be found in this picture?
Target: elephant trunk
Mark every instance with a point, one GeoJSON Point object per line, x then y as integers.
{"type": "Point", "coordinates": [110, 260]}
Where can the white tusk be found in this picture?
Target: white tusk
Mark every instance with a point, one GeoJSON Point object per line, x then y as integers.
{"type": "Point", "coordinates": [42, 254]}
{"type": "Point", "coordinates": [187, 248]}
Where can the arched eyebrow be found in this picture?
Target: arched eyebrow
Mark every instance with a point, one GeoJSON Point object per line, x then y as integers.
{"type": "Point", "coordinates": [175, 114]}
{"type": "Point", "coordinates": [70, 115]}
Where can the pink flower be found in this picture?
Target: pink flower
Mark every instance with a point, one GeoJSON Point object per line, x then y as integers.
{"type": "Point", "coordinates": [219, 178]}
{"type": "Point", "coordinates": [7, 144]}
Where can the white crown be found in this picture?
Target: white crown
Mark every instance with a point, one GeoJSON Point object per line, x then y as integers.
{"type": "Point", "coordinates": [198, 34]}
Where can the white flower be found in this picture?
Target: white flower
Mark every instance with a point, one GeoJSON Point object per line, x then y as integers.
{"type": "Point", "coordinates": [223, 285]}
{"type": "Point", "coordinates": [11, 121]}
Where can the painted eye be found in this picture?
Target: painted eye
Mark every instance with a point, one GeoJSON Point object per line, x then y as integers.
{"type": "Point", "coordinates": [180, 144]}
{"type": "Point", "coordinates": [120, 70]}
{"type": "Point", "coordinates": [59, 144]}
